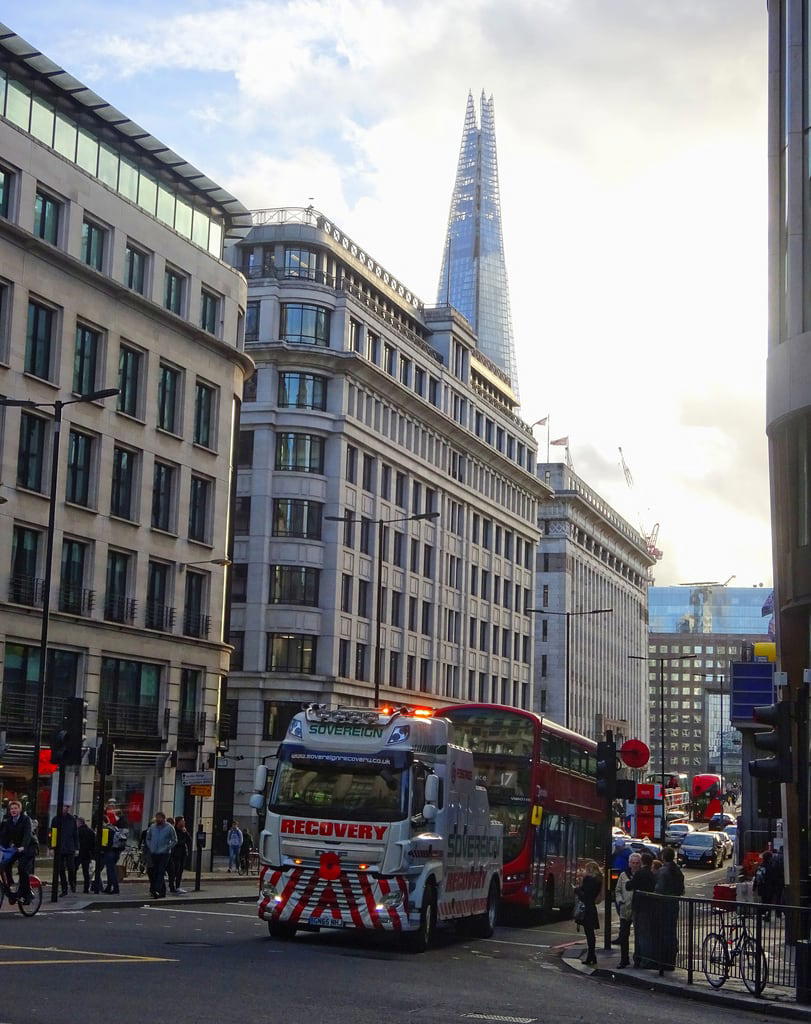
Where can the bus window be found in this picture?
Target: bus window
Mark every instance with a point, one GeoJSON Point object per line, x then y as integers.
{"type": "Point", "coordinates": [552, 835]}
{"type": "Point", "coordinates": [546, 747]}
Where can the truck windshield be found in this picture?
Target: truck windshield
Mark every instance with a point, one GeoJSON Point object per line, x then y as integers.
{"type": "Point", "coordinates": [339, 785]}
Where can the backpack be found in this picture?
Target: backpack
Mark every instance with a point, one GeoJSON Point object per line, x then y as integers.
{"type": "Point", "coordinates": [120, 837]}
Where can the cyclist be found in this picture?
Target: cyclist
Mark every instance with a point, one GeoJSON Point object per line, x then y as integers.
{"type": "Point", "coordinates": [16, 834]}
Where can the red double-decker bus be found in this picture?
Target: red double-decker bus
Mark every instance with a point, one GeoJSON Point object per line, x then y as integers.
{"type": "Point", "coordinates": [707, 792]}
{"type": "Point", "coordinates": [540, 780]}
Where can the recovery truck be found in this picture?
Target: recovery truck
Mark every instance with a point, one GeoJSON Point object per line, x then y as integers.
{"type": "Point", "coordinates": [373, 820]}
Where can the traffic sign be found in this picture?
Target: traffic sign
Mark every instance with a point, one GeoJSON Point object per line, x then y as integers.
{"type": "Point", "coordinates": [200, 790]}
{"type": "Point", "coordinates": [198, 778]}
{"type": "Point", "coordinates": [635, 753]}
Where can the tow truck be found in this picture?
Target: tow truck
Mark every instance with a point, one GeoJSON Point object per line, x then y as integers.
{"type": "Point", "coordinates": [373, 821]}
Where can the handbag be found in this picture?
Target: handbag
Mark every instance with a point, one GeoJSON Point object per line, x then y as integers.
{"type": "Point", "coordinates": [579, 910]}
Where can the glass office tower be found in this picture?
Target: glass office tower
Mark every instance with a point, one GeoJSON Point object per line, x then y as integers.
{"type": "Point", "coordinates": [473, 278]}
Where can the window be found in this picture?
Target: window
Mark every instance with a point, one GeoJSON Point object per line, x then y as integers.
{"type": "Point", "coordinates": [363, 599]}
{"type": "Point", "coordinates": [86, 360]}
{"type": "Point", "coordinates": [400, 490]}
{"type": "Point", "coordinates": [5, 318]}
{"type": "Point", "coordinates": [304, 324]}
{"type": "Point", "coordinates": [169, 388]}
{"type": "Point", "coordinates": [399, 545]}
{"type": "Point", "coordinates": [205, 409]}
{"type": "Point", "coordinates": [343, 659]}
{"type": "Point", "coordinates": [425, 675]}
{"type": "Point", "coordinates": [368, 473]}
{"type": "Point", "coordinates": [195, 620]}
{"type": "Point", "coordinates": [277, 718]}
{"type": "Point", "coordinates": [296, 517]}
{"type": "Point", "coordinates": [24, 587]}
{"type": "Point", "coordinates": [238, 574]}
{"type": "Point", "coordinates": [135, 269]}
{"type": "Point", "coordinates": [373, 348]}
{"type": "Point", "coordinates": [396, 608]}
{"type": "Point", "coordinates": [130, 364]}
{"type": "Point", "coordinates": [236, 638]}
{"type": "Point", "coordinates": [163, 496]}
{"type": "Point", "coordinates": [173, 289]}
{"type": "Point", "coordinates": [405, 371]}
{"type": "Point", "coordinates": [302, 453]}
{"type": "Point", "coordinates": [129, 696]}
{"type": "Point", "coordinates": [242, 516]}
{"type": "Point", "coordinates": [6, 179]}
{"type": "Point", "coordinates": [412, 613]}
{"type": "Point", "coordinates": [46, 217]}
{"type": "Point", "coordinates": [209, 308]}
{"type": "Point", "coordinates": [426, 618]}
{"type": "Point", "coordinates": [390, 360]}
{"type": "Point", "coordinates": [294, 584]}
{"type": "Point", "coordinates": [200, 508]}
{"type": "Point", "coordinates": [360, 661]}
{"type": "Point", "coordinates": [428, 561]}
{"type": "Point", "coordinates": [39, 340]}
{"type": "Point", "coordinates": [20, 681]}
{"type": "Point", "coordinates": [346, 592]}
{"type": "Point", "coordinates": [433, 391]}
{"type": "Point", "coordinates": [416, 498]}
{"type": "Point", "coordinates": [80, 465]}
{"type": "Point", "coordinates": [302, 391]}
{"type": "Point", "coordinates": [419, 381]}
{"type": "Point", "coordinates": [351, 471]}
{"type": "Point", "coordinates": [73, 598]}
{"type": "Point", "coordinates": [354, 335]}
{"type": "Point", "coordinates": [31, 452]}
{"type": "Point", "coordinates": [159, 614]}
{"type": "Point", "coordinates": [245, 449]}
{"type": "Point", "coordinates": [92, 251]}
{"type": "Point", "coordinates": [394, 668]}
{"type": "Point", "coordinates": [252, 321]}
{"type": "Point", "coordinates": [385, 482]}
{"type": "Point", "coordinates": [291, 652]}
{"type": "Point", "coordinates": [118, 606]}
{"type": "Point", "coordinates": [415, 555]}
{"type": "Point", "coordinates": [300, 262]}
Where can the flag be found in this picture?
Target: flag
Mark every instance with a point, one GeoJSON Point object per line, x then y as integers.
{"type": "Point", "coordinates": [562, 440]}
{"type": "Point", "coordinates": [768, 604]}
{"type": "Point", "coordinates": [541, 423]}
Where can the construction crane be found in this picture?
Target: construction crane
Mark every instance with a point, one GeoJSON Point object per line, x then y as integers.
{"type": "Point", "coordinates": [651, 537]}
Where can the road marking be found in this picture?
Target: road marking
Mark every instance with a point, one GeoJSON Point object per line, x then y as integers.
{"type": "Point", "coordinates": [491, 1016]}
{"type": "Point", "coordinates": [89, 963]}
{"type": "Point", "coordinates": [532, 945]}
{"type": "Point", "coordinates": [210, 913]}
{"type": "Point", "coordinates": [99, 956]}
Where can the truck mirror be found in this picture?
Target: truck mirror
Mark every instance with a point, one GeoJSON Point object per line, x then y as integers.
{"type": "Point", "coordinates": [256, 801]}
{"type": "Point", "coordinates": [429, 812]}
{"type": "Point", "coordinates": [260, 778]}
{"type": "Point", "coordinates": [432, 790]}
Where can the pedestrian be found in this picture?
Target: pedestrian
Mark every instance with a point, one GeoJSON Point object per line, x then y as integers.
{"type": "Point", "coordinates": [160, 841]}
{"type": "Point", "coordinates": [87, 850]}
{"type": "Point", "coordinates": [768, 884]}
{"type": "Point", "coordinates": [67, 843]}
{"type": "Point", "coordinates": [588, 892]}
{"type": "Point", "coordinates": [245, 852]}
{"type": "Point", "coordinates": [669, 885]}
{"type": "Point", "coordinates": [16, 834]}
{"type": "Point", "coordinates": [180, 856]}
{"type": "Point", "coordinates": [624, 899]}
{"type": "Point", "coordinates": [642, 883]}
{"type": "Point", "coordinates": [117, 842]}
{"type": "Point", "coordinates": [234, 840]}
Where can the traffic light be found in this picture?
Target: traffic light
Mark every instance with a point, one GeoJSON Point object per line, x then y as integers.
{"type": "Point", "coordinates": [606, 769]}
{"type": "Point", "coordinates": [75, 725]}
{"type": "Point", "coordinates": [779, 768]}
{"type": "Point", "coordinates": [59, 739]}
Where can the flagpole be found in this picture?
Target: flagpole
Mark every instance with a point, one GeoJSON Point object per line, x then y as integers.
{"type": "Point", "coordinates": [548, 428]}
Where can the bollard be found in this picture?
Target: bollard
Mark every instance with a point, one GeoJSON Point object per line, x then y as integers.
{"type": "Point", "coordinates": [198, 865]}
{"type": "Point", "coordinates": [802, 963]}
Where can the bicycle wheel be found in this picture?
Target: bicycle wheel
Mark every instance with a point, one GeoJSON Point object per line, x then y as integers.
{"type": "Point", "coordinates": [754, 966]}
{"type": "Point", "coordinates": [29, 909]}
{"type": "Point", "coordinates": [715, 959]}
{"type": "Point", "coordinates": [242, 866]}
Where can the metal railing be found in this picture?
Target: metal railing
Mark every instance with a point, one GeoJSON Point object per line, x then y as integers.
{"type": "Point", "coordinates": [26, 590]}
{"type": "Point", "coordinates": [196, 624]}
{"type": "Point", "coordinates": [118, 608]}
{"type": "Point", "coordinates": [752, 945]}
{"type": "Point", "coordinates": [130, 720]}
{"type": "Point", "coordinates": [76, 600]}
{"type": "Point", "coordinates": [159, 616]}
{"type": "Point", "coordinates": [18, 713]}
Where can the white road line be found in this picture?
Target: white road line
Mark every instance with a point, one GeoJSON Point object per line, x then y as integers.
{"type": "Point", "coordinates": [210, 913]}
{"type": "Point", "coordinates": [532, 945]}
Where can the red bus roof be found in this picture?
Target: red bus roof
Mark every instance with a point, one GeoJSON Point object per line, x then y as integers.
{"type": "Point", "coordinates": [546, 724]}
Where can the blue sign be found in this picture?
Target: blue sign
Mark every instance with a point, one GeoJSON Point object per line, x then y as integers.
{"type": "Point", "coordinates": [752, 687]}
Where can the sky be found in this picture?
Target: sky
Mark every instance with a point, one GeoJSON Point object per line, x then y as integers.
{"type": "Point", "coordinates": [632, 159]}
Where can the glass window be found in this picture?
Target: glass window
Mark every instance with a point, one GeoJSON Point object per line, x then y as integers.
{"type": "Point", "coordinates": [163, 488]}
{"type": "Point", "coordinates": [291, 652]}
{"type": "Point", "coordinates": [80, 465]}
{"type": "Point", "coordinates": [169, 386]}
{"type": "Point", "coordinates": [166, 206]}
{"type": "Point", "coordinates": [195, 620]}
{"type": "Point", "coordinates": [38, 346]}
{"type": "Point", "coordinates": [87, 152]}
{"type": "Point", "coordinates": [86, 359]}
{"type": "Point", "coordinates": [305, 324]}
{"type": "Point", "coordinates": [73, 597]}
{"type": "Point", "coordinates": [293, 584]}
{"type": "Point", "coordinates": [209, 307]}
{"type": "Point", "coordinates": [302, 391]}
{"type": "Point", "coordinates": [93, 245]}
{"type": "Point", "coordinates": [20, 683]}
{"type": "Point", "coordinates": [199, 230]}
{"type": "Point", "coordinates": [23, 583]}
{"type": "Point", "coordinates": [18, 105]}
{"type": "Point", "coordinates": [135, 269]}
{"type": "Point", "coordinates": [6, 179]}
{"type": "Point", "coordinates": [173, 287]}
{"type": "Point", "coordinates": [205, 405]}
{"type": "Point", "coordinates": [239, 581]}
{"type": "Point", "coordinates": [303, 453]}
{"type": "Point", "coordinates": [31, 452]}
{"type": "Point", "coordinates": [130, 362]}
{"type": "Point", "coordinates": [46, 217]}
{"type": "Point", "coordinates": [245, 449]}
{"type": "Point", "coordinates": [242, 516]}
{"type": "Point", "coordinates": [199, 508]}
{"type": "Point", "coordinates": [297, 517]}
{"type": "Point", "coordinates": [159, 613]}
{"type": "Point", "coordinates": [123, 485]}
{"type": "Point", "coordinates": [299, 262]}
{"type": "Point", "coordinates": [252, 321]}
{"type": "Point", "coordinates": [65, 137]}
{"type": "Point", "coordinates": [128, 179]}
{"type": "Point", "coordinates": [147, 192]}
{"type": "Point", "coordinates": [183, 217]}
{"type": "Point", "coordinates": [118, 607]}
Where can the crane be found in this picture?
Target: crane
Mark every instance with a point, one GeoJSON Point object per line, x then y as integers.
{"type": "Point", "coordinates": [651, 537]}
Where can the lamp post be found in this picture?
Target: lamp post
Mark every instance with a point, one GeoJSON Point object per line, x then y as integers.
{"type": "Point", "coordinates": [661, 658]}
{"type": "Point", "coordinates": [381, 524]}
{"type": "Point", "coordinates": [567, 647]}
{"type": "Point", "coordinates": [42, 675]}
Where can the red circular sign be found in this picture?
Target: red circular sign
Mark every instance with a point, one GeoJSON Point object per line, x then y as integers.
{"type": "Point", "coordinates": [635, 753]}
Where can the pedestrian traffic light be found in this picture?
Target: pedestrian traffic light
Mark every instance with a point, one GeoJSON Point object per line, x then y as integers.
{"type": "Point", "coordinates": [59, 739]}
{"type": "Point", "coordinates": [777, 740]}
{"type": "Point", "coordinates": [75, 724]}
{"type": "Point", "coordinates": [606, 769]}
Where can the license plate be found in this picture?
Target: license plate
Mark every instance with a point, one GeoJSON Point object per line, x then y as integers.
{"type": "Point", "coordinates": [326, 922]}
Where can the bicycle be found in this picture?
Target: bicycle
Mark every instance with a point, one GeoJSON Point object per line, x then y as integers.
{"type": "Point", "coordinates": [720, 950]}
{"type": "Point", "coordinates": [133, 861]}
{"type": "Point", "coordinates": [26, 908]}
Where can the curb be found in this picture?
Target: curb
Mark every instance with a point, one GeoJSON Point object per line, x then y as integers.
{"type": "Point", "coordinates": [144, 901]}
{"type": "Point", "coordinates": [730, 1000]}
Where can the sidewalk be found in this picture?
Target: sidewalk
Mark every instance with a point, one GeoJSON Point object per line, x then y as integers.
{"type": "Point", "coordinates": [778, 1002]}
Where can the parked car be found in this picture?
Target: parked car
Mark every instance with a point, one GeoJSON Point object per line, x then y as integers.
{"type": "Point", "coordinates": [702, 849]}
{"type": "Point", "coordinates": [676, 831]}
{"type": "Point", "coordinates": [727, 843]}
{"type": "Point", "coordinates": [644, 846]}
{"type": "Point", "coordinates": [719, 821]}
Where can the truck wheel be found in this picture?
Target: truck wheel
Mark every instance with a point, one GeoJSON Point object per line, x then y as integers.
{"type": "Point", "coordinates": [483, 925]}
{"type": "Point", "coordinates": [279, 930]}
{"type": "Point", "coordinates": [419, 940]}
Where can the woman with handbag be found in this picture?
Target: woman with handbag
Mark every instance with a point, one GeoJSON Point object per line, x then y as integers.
{"type": "Point", "coordinates": [585, 913]}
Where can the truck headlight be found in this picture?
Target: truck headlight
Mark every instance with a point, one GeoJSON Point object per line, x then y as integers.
{"type": "Point", "coordinates": [270, 892]}
{"type": "Point", "coordinates": [391, 899]}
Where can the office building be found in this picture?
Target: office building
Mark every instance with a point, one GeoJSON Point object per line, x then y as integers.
{"type": "Point", "coordinates": [111, 277]}
{"type": "Point", "coordinates": [366, 406]}
{"type": "Point", "coordinates": [592, 574]}
{"type": "Point", "coordinates": [473, 278]}
{"type": "Point", "coordinates": [711, 623]}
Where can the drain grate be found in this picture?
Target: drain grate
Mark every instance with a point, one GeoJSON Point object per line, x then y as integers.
{"type": "Point", "coordinates": [492, 1016]}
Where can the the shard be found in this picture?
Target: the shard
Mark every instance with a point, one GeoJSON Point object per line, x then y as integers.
{"type": "Point", "coordinates": [473, 278]}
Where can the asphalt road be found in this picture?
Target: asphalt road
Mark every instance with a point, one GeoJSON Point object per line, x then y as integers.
{"type": "Point", "coordinates": [195, 965]}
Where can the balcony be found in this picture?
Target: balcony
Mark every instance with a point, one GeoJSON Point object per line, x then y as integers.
{"type": "Point", "coordinates": [18, 713]}
{"type": "Point", "coordinates": [130, 721]}
{"type": "Point", "coordinates": [195, 624]}
{"type": "Point", "coordinates": [159, 616]}
{"type": "Point", "coordinates": [118, 608]}
{"type": "Point", "coordinates": [76, 600]}
{"type": "Point", "coordinates": [26, 590]}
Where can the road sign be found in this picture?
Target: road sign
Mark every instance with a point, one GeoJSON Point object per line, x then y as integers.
{"type": "Point", "coordinates": [635, 753]}
{"type": "Point", "coordinates": [200, 790]}
{"type": "Point", "coordinates": [198, 778]}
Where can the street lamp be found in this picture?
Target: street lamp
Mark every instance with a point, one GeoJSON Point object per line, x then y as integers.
{"type": "Point", "coordinates": [381, 523]}
{"type": "Point", "coordinates": [661, 658]}
{"type": "Point", "coordinates": [568, 641]}
{"type": "Point", "coordinates": [57, 406]}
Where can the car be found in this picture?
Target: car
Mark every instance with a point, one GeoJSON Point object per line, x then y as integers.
{"type": "Point", "coordinates": [727, 843]}
{"type": "Point", "coordinates": [702, 849]}
{"type": "Point", "coordinates": [644, 846]}
{"type": "Point", "coordinates": [676, 831]}
{"type": "Point", "coordinates": [719, 821]}
{"type": "Point", "coordinates": [732, 832]}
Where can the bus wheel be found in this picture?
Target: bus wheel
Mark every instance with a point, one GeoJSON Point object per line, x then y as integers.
{"type": "Point", "coordinates": [418, 941]}
{"type": "Point", "coordinates": [483, 925]}
{"type": "Point", "coordinates": [279, 930]}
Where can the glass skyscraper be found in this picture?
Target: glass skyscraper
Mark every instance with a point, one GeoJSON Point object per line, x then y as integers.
{"type": "Point", "coordinates": [473, 278]}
